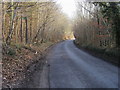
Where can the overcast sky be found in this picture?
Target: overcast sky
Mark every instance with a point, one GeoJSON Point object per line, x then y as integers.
{"type": "Point", "coordinates": [68, 7]}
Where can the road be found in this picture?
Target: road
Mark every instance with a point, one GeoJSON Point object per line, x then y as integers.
{"type": "Point", "coordinates": [71, 67]}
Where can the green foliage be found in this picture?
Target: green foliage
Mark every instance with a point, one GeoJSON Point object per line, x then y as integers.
{"type": "Point", "coordinates": [11, 52]}
{"type": "Point", "coordinates": [111, 11]}
{"type": "Point", "coordinates": [25, 18]}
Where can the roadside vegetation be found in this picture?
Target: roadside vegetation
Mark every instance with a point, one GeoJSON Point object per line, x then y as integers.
{"type": "Point", "coordinates": [28, 29]}
{"type": "Point", "coordinates": [97, 29]}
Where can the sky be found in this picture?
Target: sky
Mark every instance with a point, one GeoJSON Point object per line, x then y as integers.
{"type": "Point", "coordinates": [68, 7]}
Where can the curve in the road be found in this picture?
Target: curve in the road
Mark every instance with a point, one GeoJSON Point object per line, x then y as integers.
{"type": "Point", "coordinates": [71, 67]}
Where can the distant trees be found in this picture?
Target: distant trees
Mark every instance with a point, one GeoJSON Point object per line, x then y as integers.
{"type": "Point", "coordinates": [32, 22]}
{"type": "Point", "coordinates": [97, 23]}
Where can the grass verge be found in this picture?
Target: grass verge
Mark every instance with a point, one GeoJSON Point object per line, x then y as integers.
{"type": "Point", "coordinates": [110, 55]}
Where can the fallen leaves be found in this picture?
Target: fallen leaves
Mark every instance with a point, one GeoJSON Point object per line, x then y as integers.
{"type": "Point", "coordinates": [14, 66]}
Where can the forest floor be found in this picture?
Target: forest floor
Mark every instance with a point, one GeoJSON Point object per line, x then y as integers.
{"type": "Point", "coordinates": [17, 61]}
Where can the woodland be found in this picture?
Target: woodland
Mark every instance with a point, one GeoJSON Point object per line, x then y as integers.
{"type": "Point", "coordinates": [97, 28]}
{"type": "Point", "coordinates": [30, 28]}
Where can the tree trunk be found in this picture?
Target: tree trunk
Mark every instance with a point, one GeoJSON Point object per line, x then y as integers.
{"type": "Point", "coordinates": [3, 20]}
{"type": "Point", "coordinates": [26, 34]}
{"type": "Point", "coordinates": [8, 39]}
{"type": "Point", "coordinates": [30, 30]}
{"type": "Point", "coordinates": [21, 38]}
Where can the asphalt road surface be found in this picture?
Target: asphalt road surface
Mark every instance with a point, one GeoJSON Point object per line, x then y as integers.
{"type": "Point", "coordinates": [71, 67]}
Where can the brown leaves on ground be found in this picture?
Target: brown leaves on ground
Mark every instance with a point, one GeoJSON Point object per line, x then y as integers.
{"type": "Point", "coordinates": [15, 64]}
